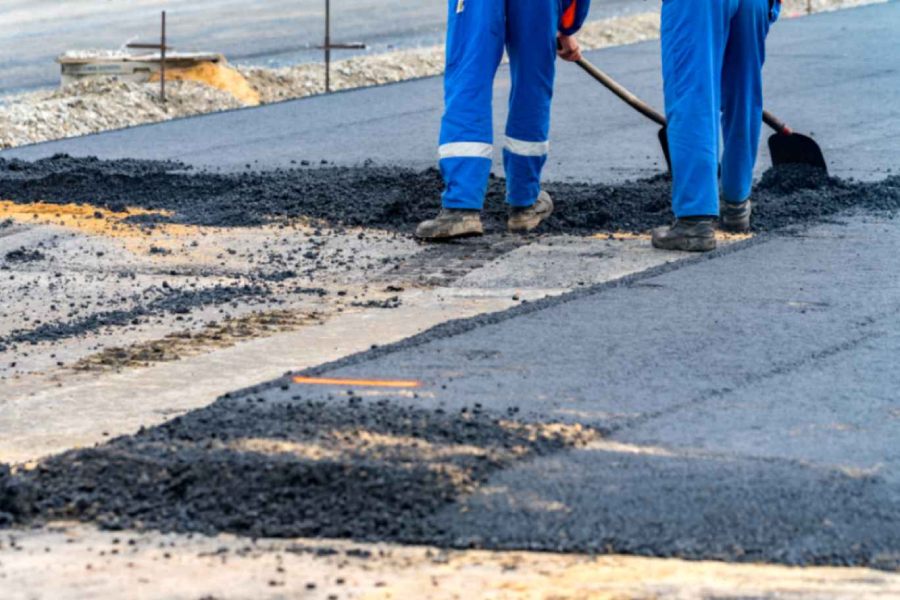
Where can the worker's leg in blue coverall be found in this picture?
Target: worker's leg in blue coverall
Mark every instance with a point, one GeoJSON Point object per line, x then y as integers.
{"type": "Point", "coordinates": [477, 32]}
{"type": "Point", "coordinates": [712, 55]}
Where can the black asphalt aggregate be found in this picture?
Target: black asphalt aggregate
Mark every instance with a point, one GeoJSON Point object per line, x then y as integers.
{"type": "Point", "coordinates": [397, 199]}
{"type": "Point", "coordinates": [816, 79]}
{"type": "Point", "coordinates": [745, 403]}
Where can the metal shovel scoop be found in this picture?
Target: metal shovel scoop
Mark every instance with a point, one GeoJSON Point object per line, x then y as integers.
{"type": "Point", "coordinates": [788, 147]}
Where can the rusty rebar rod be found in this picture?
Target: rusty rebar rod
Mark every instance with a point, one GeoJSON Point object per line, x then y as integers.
{"type": "Point", "coordinates": [328, 46]}
{"type": "Point", "coordinates": [161, 46]}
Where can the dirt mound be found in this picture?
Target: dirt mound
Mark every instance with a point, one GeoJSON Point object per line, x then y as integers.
{"type": "Point", "coordinates": [396, 199]}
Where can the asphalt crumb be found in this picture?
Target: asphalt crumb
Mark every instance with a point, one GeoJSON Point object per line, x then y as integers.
{"type": "Point", "coordinates": [24, 255]}
{"type": "Point", "coordinates": [341, 468]}
{"type": "Point", "coordinates": [396, 199]}
{"type": "Point", "coordinates": [14, 501]}
{"type": "Point", "coordinates": [392, 302]}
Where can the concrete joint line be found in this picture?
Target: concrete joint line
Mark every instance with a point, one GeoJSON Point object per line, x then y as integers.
{"type": "Point", "coordinates": [756, 378]}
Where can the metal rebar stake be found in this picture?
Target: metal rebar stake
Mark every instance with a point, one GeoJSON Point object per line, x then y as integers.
{"type": "Point", "coordinates": [162, 61]}
{"type": "Point", "coordinates": [328, 46]}
{"type": "Point", "coordinates": [161, 46]}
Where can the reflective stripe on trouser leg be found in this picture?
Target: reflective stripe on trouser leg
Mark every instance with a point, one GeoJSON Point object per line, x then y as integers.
{"type": "Point", "coordinates": [742, 99]}
{"type": "Point", "coordinates": [475, 37]}
{"type": "Point", "coordinates": [523, 162]}
{"type": "Point", "coordinates": [692, 39]}
{"type": "Point", "coordinates": [531, 44]}
{"type": "Point", "coordinates": [466, 168]}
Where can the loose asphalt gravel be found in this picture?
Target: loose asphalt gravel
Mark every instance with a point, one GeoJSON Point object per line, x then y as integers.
{"type": "Point", "coordinates": [336, 469]}
{"type": "Point", "coordinates": [392, 199]}
{"type": "Point", "coordinates": [396, 199]}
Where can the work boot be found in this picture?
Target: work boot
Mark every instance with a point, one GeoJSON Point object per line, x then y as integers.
{"type": "Point", "coordinates": [451, 223]}
{"type": "Point", "coordinates": [736, 217]}
{"type": "Point", "coordinates": [688, 235]}
{"type": "Point", "coordinates": [525, 218]}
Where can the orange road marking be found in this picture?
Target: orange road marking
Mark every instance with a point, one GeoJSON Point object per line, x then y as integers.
{"type": "Point", "coordinates": [386, 383]}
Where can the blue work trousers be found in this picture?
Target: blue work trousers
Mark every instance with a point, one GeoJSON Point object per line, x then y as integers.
{"type": "Point", "coordinates": [477, 32]}
{"type": "Point", "coordinates": [712, 57]}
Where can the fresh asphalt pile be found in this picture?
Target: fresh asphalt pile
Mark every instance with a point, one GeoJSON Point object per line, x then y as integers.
{"type": "Point", "coordinates": [345, 468]}
{"type": "Point", "coordinates": [396, 199]}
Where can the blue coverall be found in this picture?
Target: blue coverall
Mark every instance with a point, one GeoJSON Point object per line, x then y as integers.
{"type": "Point", "coordinates": [477, 31]}
{"type": "Point", "coordinates": [712, 57]}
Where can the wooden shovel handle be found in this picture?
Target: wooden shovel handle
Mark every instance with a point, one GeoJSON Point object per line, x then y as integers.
{"type": "Point", "coordinates": [775, 123]}
{"type": "Point", "coordinates": [648, 111]}
{"type": "Point", "coordinates": [613, 86]}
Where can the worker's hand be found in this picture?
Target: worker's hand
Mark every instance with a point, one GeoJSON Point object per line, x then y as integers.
{"type": "Point", "coordinates": [568, 48]}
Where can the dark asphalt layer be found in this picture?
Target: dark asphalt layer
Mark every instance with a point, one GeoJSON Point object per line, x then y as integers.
{"type": "Point", "coordinates": [396, 199]}
{"type": "Point", "coordinates": [750, 405]}
{"type": "Point", "coordinates": [348, 469]}
{"type": "Point", "coordinates": [746, 401]}
{"type": "Point", "coordinates": [825, 75]}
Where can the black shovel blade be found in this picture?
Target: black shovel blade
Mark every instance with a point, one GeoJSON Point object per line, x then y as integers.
{"type": "Point", "coordinates": [664, 142]}
{"type": "Point", "coordinates": [794, 149]}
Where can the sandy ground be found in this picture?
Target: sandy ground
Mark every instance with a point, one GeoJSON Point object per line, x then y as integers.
{"type": "Point", "coordinates": [77, 562]}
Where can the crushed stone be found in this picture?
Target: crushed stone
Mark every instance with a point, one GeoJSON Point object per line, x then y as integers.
{"type": "Point", "coordinates": [93, 105]}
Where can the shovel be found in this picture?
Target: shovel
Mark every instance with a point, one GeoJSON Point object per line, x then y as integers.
{"type": "Point", "coordinates": [785, 146]}
{"type": "Point", "coordinates": [788, 147]}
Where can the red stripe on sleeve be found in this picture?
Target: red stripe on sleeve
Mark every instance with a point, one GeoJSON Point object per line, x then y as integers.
{"type": "Point", "coordinates": [568, 19]}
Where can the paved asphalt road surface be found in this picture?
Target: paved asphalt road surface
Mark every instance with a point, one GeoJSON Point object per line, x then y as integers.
{"type": "Point", "coordinates": [748, 402]}
{"type": "Point", "coordinates": [272, 32]}
{"type": "Point", "coordinates": [825, 75]}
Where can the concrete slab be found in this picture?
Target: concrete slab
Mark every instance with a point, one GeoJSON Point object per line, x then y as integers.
{"type": "Point", "coordinates": [55, 414]}
{"type": "Point", "coordinates": [55, 410]}
{"type": "Point", "coordinates": [595, 136]}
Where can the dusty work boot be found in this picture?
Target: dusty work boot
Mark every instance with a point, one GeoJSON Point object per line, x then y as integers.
{"type": "Point", "coordinates": [688, 235]}
{"type": "Point", "coordinates": [451, 223]}
{"type": "Point", "coordinates": [736, 217]}
{"type": "Point", "coordinates": [524, 219]}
